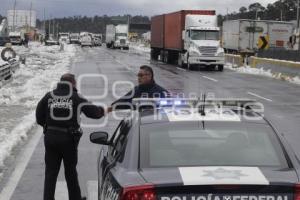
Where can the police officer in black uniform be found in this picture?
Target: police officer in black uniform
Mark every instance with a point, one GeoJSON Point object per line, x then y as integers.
{"type": "Point", "coordinates": [147, 88]}
{"type": "Point", "coordinates": [58, 112]}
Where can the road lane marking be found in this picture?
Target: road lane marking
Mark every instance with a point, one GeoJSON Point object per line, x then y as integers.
{"type": "Point", "coordinates": [212, 79]}
{"type": "Point", "coordinates": [21, 165]}
{"type": "Point", "coordinates": [256, 95]}
{"type": "Point", "coordinates": [61, 191]}
{"type": "Point", "coordinates": [92, 188]}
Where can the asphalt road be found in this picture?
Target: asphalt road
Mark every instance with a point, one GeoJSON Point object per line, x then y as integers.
{"type": "Point", "coordinates": [104, 70]}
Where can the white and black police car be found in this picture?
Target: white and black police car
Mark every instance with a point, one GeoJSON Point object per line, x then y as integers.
{"type": "Point", "coordinates": [187, 149]}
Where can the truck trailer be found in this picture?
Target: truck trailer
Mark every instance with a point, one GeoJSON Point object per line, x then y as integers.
{"type": "Point", "coordinates": [117, 36]}
{"type": "Point", "coordinates": [188, 38]}
{"type": "Point", "coordinates": [247, 36]}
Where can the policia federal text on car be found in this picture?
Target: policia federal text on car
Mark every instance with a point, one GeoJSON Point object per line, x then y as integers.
{"type": "Point", "coordinates": [58, 112]}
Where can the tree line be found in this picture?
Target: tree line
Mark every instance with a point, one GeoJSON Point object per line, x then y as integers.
{"type": "Point", "coordinates": [285, 10]}
{"type": "Point", "coordinates": [96, 24]}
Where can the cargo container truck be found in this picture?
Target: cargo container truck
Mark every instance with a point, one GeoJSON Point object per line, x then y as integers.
{"type": "Point", "coordinates": [189, 38]}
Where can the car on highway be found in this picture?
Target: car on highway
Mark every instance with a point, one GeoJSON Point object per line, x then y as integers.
{"type": "Point", "coordinates": [185, 149]}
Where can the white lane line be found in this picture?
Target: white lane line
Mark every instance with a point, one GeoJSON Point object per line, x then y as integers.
{"type": "Point", "coordinates": [181, 69]}
{"type": "Point", "coordinates": [21, 164]}
{"type": "Point", "coordinates": [61, 191]}
{"type": "Point", "coordinates": [124, 65]}
{"type": "Point", "coordinates": [256, 95]}
{"type": "Point", "coordinates": [212, 79]}
{"type": "Point", "coordinates": [92, 188]}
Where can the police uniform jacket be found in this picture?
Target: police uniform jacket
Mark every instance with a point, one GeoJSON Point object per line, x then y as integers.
{"type": "Point", "coordinates": [62, 108]}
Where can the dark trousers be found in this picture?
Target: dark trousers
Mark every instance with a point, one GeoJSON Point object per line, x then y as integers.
{"type": "Point", "coordinates": [61, 146]}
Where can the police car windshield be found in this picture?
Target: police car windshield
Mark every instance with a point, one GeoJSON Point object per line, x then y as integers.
{"type": "Point", "coordinates": [231, 144]}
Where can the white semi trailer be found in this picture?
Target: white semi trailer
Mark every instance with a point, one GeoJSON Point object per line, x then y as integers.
{"type": "Point", "coordinates": [248, 36]}
{"type": "Point", "coordinates": [117, 36]}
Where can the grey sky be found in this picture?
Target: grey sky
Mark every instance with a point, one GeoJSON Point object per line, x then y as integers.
{"type": "Point", "coordinates": [61, 8]}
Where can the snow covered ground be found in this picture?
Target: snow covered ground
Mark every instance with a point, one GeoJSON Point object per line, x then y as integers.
{"type": "Point", "coordinates": [140, 49]}
{"type": "Point", "coordinates": [18, 99]}
{"type": "Point", "coordinates": [262, 72]}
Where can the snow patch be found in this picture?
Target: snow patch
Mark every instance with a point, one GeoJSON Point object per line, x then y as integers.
{"type": "Point", "coordinates": [262, 72]}
{"type": "Point", "coordinates": [18, 98]}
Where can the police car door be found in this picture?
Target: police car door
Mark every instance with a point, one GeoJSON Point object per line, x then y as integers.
{"type": "Point", "coordinates": [114, 154]}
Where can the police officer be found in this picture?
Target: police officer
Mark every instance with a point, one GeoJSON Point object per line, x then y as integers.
{"type": "Point", "coordinates": [58, 112]}
{"type": "Point", "coordinates": [147, 88]}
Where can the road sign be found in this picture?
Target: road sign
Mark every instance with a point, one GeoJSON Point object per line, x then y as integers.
{"type": "Point", "coordinates": [263, 42]}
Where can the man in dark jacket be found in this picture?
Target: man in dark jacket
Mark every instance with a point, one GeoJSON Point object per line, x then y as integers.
{"type": "Point", "coordinates": [147, 88]}
{"type": "Point", "coordinates": [58, 112]}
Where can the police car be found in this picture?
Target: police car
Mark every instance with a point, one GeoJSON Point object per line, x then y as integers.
{"type": "Point", "coordinates": [190, 149]}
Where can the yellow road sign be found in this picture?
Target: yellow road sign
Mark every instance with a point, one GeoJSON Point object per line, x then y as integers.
{"type": "Point", "coordinates": [263, 42]}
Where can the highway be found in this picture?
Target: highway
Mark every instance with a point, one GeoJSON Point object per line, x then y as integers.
{"type": "Point", "coordinates": [24, 181]}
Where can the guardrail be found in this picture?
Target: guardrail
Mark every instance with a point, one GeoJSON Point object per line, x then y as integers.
{"type": "Point", "coordinates": [5, 72]}
{"type": "Point", "coordinates": [279, 68]}
{"type": "Point", "coordinates": [235, 60]}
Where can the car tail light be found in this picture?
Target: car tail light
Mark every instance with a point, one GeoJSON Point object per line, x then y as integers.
{"type": "Point", "coordinates": [144, 192]}
{"type": "Point", "coordinates": [297, 192]}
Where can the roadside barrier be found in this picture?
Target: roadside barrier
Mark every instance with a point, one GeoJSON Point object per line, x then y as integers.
{"type": "Point", "coordinates": [235, 60]}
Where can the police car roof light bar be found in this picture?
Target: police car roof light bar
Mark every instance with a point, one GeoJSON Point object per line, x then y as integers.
{"type": "Point", "coordinates": [194, 102]}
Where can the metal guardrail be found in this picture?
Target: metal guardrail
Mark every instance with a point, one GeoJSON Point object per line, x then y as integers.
{"type": "Point", "coordinates": [5, 72]}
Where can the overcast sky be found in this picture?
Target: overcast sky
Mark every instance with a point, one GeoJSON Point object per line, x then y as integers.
{"type": "Point", "coordinates": [62, 8]}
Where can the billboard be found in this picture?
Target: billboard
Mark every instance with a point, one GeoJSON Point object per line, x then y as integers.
{"type": "Point", "coordinates": [21, 18]}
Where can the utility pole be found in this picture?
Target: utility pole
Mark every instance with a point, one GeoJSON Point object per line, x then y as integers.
{"type": "Point", "coordinates": [45, 21]}
{"type": "Point", "coordinates": [14, 16]}
{"type": "Point", "coordinates": [49, 24]}
{"type": "Point", "coordinates": [298, 24]}
{"type": "Point", "coordinates": [30, 15]}
{"type": "Point", "coordinates": [53, 27]}
{"type": "Point", "coordinates": [298, 1]}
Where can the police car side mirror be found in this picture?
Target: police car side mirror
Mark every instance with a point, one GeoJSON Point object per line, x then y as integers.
{"type": "Point", "coordinates": [99, 138]}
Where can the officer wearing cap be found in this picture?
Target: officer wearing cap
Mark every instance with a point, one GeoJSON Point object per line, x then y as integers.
{"type": "Point", "coordinates": [147, 88]}
{"type": "Point", "coordinates": [58, 112]}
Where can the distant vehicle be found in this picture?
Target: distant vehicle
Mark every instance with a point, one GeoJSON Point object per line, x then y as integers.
{"type": "Point", "coordinates": [222, 151]}
{"type": "Point", "coordinates": [188, 37]}
{"type": "Point", "coordinates": [86, 39]}
{"type": "Point", "coordinates": [97, 39]}
{"type": "Point", "coordinates": [64, 38]}
{"type": "Point", "coordinates": [4, 40]}
{"type": "Point", "coordinates": [51, 41]}
{"type": "Point", "coordinates": [16, 38]}
{"type": "Point", "coordinates": [74, 38]}
{"type": "Point", "coordinates": [248, 36]}
{"type": "Point", "coordinates": [117, 36]}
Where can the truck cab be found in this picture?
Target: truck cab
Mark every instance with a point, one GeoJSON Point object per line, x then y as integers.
{"type": "Point", "coordinates": [16, 38]}
{"type": "Point", "coordinates": [202, 45]}
{"type": "Point", "coordinates": [121, 41]}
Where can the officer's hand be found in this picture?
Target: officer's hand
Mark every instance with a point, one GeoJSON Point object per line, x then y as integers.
{"type": "Point", "coordinates": [109, 109]}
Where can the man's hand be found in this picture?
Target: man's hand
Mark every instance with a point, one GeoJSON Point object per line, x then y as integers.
{"type": "Point", "coordinates": [109, 109]}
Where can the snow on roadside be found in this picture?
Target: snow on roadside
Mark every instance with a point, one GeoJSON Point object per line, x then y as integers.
{"type": "Point", "coordinates": [262, 72]}
{"type": "Point", "coordinates": [140, 48]}
{"type": "Point", "coordinates": [18, 98]}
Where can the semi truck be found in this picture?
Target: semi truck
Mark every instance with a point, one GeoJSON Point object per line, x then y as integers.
{"type": "Point", "coordinates": [117, 36]}
{"type": "Point", "coordinates": [245, 36]}
{"type": "Point", "coordinates": [189, 38]}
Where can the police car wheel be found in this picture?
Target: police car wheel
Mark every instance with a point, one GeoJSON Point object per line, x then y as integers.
{"type": "Point", "coordinates": [8, 53]}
